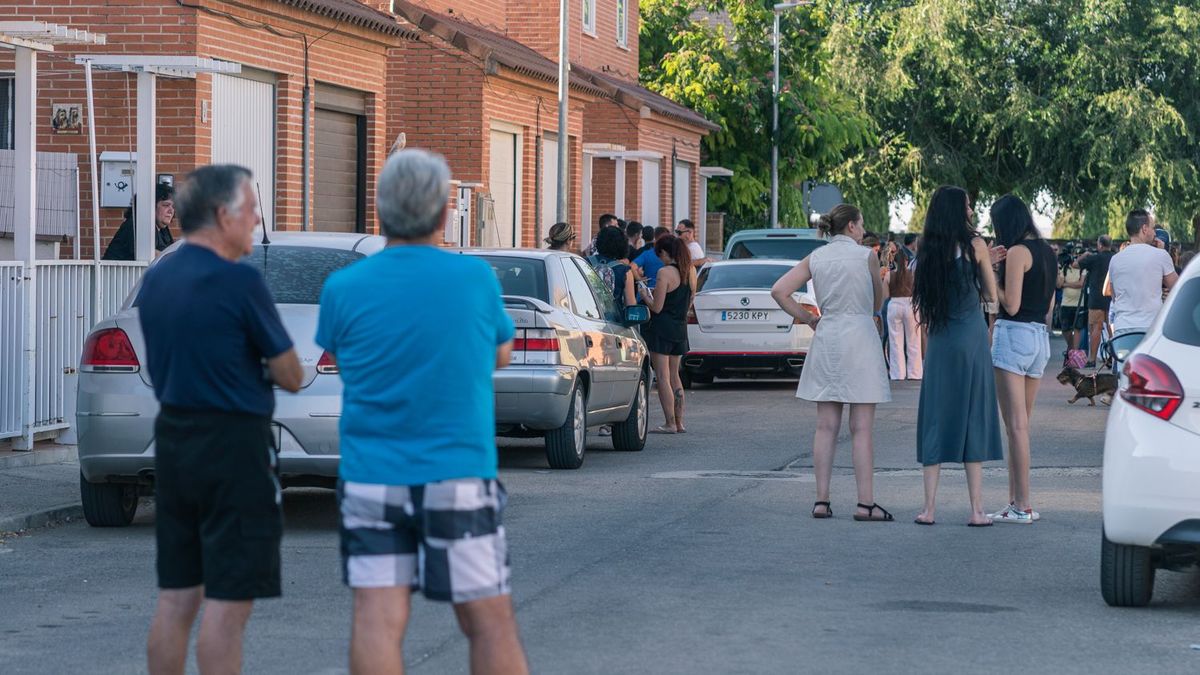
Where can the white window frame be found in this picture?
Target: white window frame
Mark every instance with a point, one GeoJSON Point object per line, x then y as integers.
{"type": "Point", "coordinates": [623, 24]}
{"type": "Point", "coordinates": [588, 12]}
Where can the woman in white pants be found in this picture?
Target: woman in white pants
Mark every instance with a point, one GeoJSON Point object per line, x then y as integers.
{"type": "Point", "coordinates": [904, 338]}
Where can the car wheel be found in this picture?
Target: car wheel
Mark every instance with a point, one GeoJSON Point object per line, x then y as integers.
{"type": "Point", "coordinates": [702, 379]}
{"type": "Point", "coordinates": [565, 445]}
{"type": "Point", "coordinates": [686, 378]}
{"type": "Point", "coordinates": [1126, 574]}
{"type": "Point", "coordinates": [631, 434]}
{"type": "Point", "coordinates": [107, 504]}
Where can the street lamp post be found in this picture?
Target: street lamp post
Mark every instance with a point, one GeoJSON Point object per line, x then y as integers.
{"type": "Point", "coordinates": [779, 8]}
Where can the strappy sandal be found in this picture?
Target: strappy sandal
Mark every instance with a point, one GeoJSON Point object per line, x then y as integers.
{"type": "Point", "coordinates": [870, 517]}
{"type": "Point", "coordinates": [821, 516]}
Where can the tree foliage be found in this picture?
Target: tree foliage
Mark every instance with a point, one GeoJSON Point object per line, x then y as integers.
{"type": "Point", "coordinates": [1094, 102]}
{"type": "Point", "coordinates": [716, 57]}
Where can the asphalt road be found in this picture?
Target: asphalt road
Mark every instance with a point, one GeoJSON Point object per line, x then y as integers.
{"type": "Point", "coordinates": [695, 555]}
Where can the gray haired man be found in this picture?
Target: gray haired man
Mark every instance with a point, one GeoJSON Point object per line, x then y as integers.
{"type": "Point", "coordinates": [210, 324]}
{"type": "Point", "coordinates": [421, 506]}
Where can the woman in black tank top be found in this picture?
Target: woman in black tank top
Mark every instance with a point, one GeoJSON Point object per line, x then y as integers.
{"type": "Point", "coordinates": [1021, 340]}
{"type": "Point", "coordinates": [666, 333]}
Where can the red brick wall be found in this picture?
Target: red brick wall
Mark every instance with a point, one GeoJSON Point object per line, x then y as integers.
{"type": "Point", "coordinates": [491, 13]}
{"type": "Point", "coordinates": [350, 56]}
{"type": "Point", "coordinates": [535, 23]}
{"type": "Point", "coordinates": [660, 135]}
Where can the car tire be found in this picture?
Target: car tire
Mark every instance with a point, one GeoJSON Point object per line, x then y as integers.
{"type": "Point", "coordinates": [1126, 574]}
{"type": "Point", "coordinates": [702, 379]}
{"type": "Point", "coordinates": [108, 504]}
{"type": "Point", "coordinates": [630, 435]}
{"type": "Point", "coordinates": [565, 446]}
{"type": "Point", "coordinates": [686, 378]}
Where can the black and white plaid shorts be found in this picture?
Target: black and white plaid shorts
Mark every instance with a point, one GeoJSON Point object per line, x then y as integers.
{"type": "Point", "coordinates": [445, 538]}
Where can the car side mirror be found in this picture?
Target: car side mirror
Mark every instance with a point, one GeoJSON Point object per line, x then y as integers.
{"type": "Point", "coordinates": [636, 315]}
{"type": "Point", "coordinates": [1119, 347]}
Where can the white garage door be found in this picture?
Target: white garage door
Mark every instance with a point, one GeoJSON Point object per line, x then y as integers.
{"type": "Point", "coordinates": [503, 181]}
{"type": "Point", "coordinates": [650, 192]}
{"type": "Point", "coordinates": [683, 191]}
{"type": "Point", "coordinates": [243, 131]}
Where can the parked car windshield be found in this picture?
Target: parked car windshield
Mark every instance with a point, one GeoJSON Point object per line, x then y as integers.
{"type": "Point", "coordinates": [718, 277]}
{"type": "Point", "coordinates": [785, 248]}
{"type": "Point", "coordinates": [525, 277]}
{"type": "Point", "coordinates": [295, 274]}
{"type": "Point", "coordinates": [1183, 322]}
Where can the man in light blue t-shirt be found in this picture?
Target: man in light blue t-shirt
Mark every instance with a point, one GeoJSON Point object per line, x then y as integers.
{"type": "Point", "coordinates": [417, 333]}
{"type": "Point", "coordinates": [648, 261]}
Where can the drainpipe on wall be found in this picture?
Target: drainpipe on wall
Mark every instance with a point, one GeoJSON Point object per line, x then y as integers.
{"type": "Point", "coordinates": [305, 121]}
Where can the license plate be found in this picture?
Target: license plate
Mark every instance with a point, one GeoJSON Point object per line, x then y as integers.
{"type": "Point", "coordinates": [743, 315]}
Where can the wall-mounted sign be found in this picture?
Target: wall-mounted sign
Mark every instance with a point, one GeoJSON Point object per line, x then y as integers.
{"type": "Point", "coordinates": [66, 118]}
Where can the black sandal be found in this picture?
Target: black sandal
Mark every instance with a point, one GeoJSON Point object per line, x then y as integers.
{"type": "Point", "coordinates": [870, 517]}
{"type": "Point", "coordinates": [821, 516]}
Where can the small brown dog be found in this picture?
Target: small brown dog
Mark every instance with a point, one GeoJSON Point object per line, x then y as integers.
{"type": "Point", "coordinates": [1089, 386]}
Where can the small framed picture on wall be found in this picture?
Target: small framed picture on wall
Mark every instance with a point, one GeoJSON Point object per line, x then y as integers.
{"type": "Point", "coordinates": [66, 118]}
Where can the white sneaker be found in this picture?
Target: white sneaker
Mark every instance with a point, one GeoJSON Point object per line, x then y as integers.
{"type": "Point", "coordinates": [1010, 514]}
{"type": "Point", "coordinates": [1036, 516]}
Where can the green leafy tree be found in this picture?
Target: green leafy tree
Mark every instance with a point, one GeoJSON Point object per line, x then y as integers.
{"type": "Point", "coordinates": [1094, 102]}
{"type": "Point", "coordinates": [716, 57]}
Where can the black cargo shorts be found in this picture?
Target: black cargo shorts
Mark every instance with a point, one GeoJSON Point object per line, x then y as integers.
{"type": "Point", "coordinates": [219, 522]}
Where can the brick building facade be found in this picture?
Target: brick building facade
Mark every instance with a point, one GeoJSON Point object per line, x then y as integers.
{"type": "Point", "coordinates": [475, 80]}
{"type": "Point", "coordinates": [198, 119]}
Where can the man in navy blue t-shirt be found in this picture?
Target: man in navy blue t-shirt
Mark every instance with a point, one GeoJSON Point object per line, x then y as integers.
{"type": "Point", "coordinates": [214, 348]}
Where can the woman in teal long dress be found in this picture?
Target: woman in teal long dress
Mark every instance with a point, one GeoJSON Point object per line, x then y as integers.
{"type": "Point", "coordinates": [958, 420]}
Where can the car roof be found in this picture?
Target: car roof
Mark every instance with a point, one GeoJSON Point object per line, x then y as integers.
{"type": "Point", "coordinates": [539, 253]}
{"type": "Point", "coordinates": [781, 233]}
{"type": "Point", "coordinates": [785, 262]}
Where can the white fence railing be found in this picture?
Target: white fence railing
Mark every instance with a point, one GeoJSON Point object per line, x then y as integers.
{"type": "Point", "coordinates": [57, 192]}
{"type": "Point", "coordinates": [12, 313]}
{"type": "Point", "coordinates": [72, 296]}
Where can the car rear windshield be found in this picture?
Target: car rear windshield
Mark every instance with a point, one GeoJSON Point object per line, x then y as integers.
{"type": "Point", "coordinates": [295, 274]}
{"type": "Point", "coordinates": [525, 277]}
{"type": "Point", "coordinates": [739, 276]}
{"type": "Point", "coordinates": [786, 248]}
{"type": "Point", "coordinates": [1183, 322]}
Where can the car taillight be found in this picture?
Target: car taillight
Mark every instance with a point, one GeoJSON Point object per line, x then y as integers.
{"type": "Point", "coordinates": [109, 351]}
{"type": "Point", "coordinates": [691, 315]}
{"type": "Point", "coordinates": [811, 309]}
{"type": "Point", "coordinates": [327, 365]}
{"type": "Point", "coordinates": [535, 340]}
{"type": "Point", "coordinates": [1152, 386]}
{"type": "Point", "coordinates": [535, 346]}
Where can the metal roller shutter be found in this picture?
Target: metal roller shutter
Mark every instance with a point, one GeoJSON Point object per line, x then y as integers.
{"type": "Point", "coordinates": [337, 177]}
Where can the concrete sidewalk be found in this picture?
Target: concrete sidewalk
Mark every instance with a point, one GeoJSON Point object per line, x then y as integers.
{"type": "Point", "coordinates": [38, 488]}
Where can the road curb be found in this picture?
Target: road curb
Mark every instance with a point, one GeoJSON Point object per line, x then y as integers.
{"type": "Point", "coordinates": [42, 518]}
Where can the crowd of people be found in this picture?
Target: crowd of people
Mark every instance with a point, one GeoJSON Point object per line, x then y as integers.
{"type": "Point", "coordinates": [971, 320]}
{"type": "Point", "coordinates": [420, 503]}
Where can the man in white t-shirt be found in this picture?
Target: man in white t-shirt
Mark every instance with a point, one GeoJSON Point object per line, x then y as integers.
{"type": "Point", "coordinates": [1138, 275]}
{"type": "Point", "coordinates": [686, 230]}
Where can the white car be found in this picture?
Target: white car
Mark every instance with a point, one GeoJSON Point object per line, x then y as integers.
{"type": "Point", "coordinates": [1152, 453]}
{"type": "Point", "coordinates": [735, 327]}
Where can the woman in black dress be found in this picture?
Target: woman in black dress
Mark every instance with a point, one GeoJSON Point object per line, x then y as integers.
{"type": "Point", "coordinates": [666, 333]}
{"type": "Point", "coordinates": [957, 419]}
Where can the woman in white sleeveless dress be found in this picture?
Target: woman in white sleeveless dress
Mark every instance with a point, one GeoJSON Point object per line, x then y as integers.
{"type": "Point", "coordinates": [844, 364]}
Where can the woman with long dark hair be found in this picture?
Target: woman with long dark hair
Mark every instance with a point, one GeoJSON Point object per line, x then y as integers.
{"type": "Point", "coordinates": [956, 420]}
{"type": "Point", "coordinates": [1021, 339]}
{"type": "Point", "coordinates": [845, 364]}
{"type": "Point", "coordinates": [666, 333]}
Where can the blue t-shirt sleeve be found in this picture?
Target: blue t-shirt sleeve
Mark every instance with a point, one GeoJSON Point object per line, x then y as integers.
{"type": "Point", "coordinates": [326, 332]}
{"type": "Point", "coordinates": [262, 319]}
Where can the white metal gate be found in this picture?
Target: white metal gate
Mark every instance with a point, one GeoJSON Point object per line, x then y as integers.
{"type": "Point", "coordinates": [64, 316]}
{"type": "Point", "coordinates": [72, 296]}
{"type": "Point", "coordinates": [243, 130]}
{"type": "Point", "coordinates": [12, 313]}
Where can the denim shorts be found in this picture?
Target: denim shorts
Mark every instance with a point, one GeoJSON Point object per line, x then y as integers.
{"type": "Point", "coordinates": [1021, 348]}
